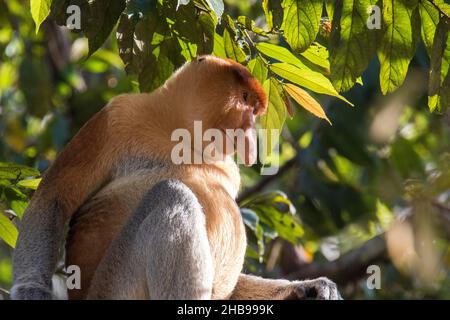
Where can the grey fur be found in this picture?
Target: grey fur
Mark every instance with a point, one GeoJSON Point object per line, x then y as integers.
{"type": "Point", "coordinates": [130, 164]}
{"type": "Point", "coordinates": [37, 252]}
{"type": "Point", "coordinates": [164, 246]}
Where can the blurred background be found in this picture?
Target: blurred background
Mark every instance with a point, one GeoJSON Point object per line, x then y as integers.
{"type": "Point", "coordinates": [373, 189]}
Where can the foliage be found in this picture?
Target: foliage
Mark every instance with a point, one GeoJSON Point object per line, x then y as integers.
{"type": "Point", "coordinates": [349, 181]}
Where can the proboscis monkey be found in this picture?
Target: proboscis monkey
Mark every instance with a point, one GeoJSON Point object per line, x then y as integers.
{"type": "Point", "coordinates": [141, 226]}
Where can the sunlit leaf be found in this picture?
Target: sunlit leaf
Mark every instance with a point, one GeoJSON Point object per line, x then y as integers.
{"type": "Point", "coordinates": [400, 35]}
{"type": "Point", "coordinates": [305, 100]}
{"type": "Point", "coordinates": [439, 81]}
{"type": "Point", "coordinates": [275, 116]}
{"type": "Point", "coordinates": [217, 6]}
{"type": "Point", "coordinates": [15, 171]}
{"type": "Point", "coordinates": [312, 80]}
{"type": "Point", "coordinates": [39, 11]}
{"type": "Point", "coordinates": [352, 44]}
{"type": "Point", "coordinates": [29, 183]}
{"type": "Point", "coordinates": [258, 69]}
{"type": "Point", "coordinates": [279, 53]}
{"type": "Point", "coordinates": [276, 211]}
{"type": "Point", "coordinates": [232, 48]}
{"type": "Point", "coordinates": [318, 55]}
{"type": "Point", "coordinates": [274, 13]}
{"type": "Point", "coordinates": [8, 231]}
{"type": "Point", "coordinates": [301, 22]}
{"type": "Point", "coordinates": [429, 18]}
{"type": "Point", "coordinates": [219, 47]}
{"type": "Point", "coordinates": [249, 24]}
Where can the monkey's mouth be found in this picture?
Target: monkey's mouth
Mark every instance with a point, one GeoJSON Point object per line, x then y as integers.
{"type": "Point", "coordinates": [245, 150]}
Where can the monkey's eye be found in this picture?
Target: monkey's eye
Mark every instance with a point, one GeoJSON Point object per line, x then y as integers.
{"type": "Point", "coordinates": [245, 96]}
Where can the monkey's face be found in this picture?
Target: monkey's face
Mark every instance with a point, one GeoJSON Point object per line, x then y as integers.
{"type": "Point", "coordinates": [230, 100]}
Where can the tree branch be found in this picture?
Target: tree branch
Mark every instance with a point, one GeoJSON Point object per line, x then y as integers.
{"type": "Point", "coordinates": [266, 180]}
{"type": "Point", "coordinates": [348, 267]}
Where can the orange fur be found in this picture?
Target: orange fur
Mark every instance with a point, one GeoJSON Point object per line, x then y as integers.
{"type": "Point", "coordinates": [83, 183]}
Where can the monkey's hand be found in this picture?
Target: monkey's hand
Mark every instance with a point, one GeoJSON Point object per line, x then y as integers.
{"type": "Point", "coordinates": [319, 289]}
{"type": "Point", "coordinates": [30, 291]}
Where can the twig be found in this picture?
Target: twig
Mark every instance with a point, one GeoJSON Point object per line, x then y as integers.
{"type": "Point", "coordinates": [266, 180]}
{"type": "Point", "coordinates": [4, 293]}
{"type": "Point", "coordinates": [348, 267]}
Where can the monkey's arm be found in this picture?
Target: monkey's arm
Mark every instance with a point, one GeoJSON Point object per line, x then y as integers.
{"type": "Point", "coordinates": [253, 287]}
{"type": "Point", "coordinates": [78, 171]}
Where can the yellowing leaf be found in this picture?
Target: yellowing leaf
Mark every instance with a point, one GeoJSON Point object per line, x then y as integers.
{"type": "Point", "coordinates": [305, 100]}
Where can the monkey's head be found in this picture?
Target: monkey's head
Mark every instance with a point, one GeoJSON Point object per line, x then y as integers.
{"type": "Point", "coordinates": [223, 95]}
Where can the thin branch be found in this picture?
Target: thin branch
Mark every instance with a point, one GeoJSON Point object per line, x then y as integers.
{"type": "Point", "coordinates": [266, 180]}
{"type": "Point", "coordinates": [4, 293]}
{"type": "Point", "coordinates": [348, 267]}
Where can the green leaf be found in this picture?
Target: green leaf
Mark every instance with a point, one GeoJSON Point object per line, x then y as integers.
{"type": "Point", "coordinates": [182, 3]}
{"type": "Point", "coordinates": [8, 231]}
{"type": "Point", "coordinates": [312, 80]}
{"type": "Point", "coordinates": [318, 55]}
{"type": "Point", "coordinates": [193, 28]}
{"type": "Point", "coordinates": [219, 46]}
{"type": "Point", "coordinates": [301, 22]}
{"type": "Point", "coordinates": [251, 219]}
{"type": "Point", "coordinates": [438, 85]}
{"type": "Point", "coordinates": [276, 113]}
{"type": "Point", "coordinates": [400, 34]}
{"type": "Point", "coordinates": [405, 158]}
{"type": "Point", "coordinates": [102, 19]}
{"type": "Point", "coordinates": [39, 11]}
{"type": "Point", "coordinates": [29, 183]}
{"type": "Point", "coordinates": [16, 200]}
{"type": "Point", "coordinates": [276, 212]}
{"type": "Point", "coordinates": [217, 6]}
{"type": "Point", "coordinates": [232, 48]}
{"type": "Point", "coordinates": [147, 46]}
{"type": "Point", "coordinates": [429, 18]}
{"type": "Point", "coordinates": [279, 53]}
{"type": "Point", "coordinates": [14, 171]}
{"type": "Point", "coordinates": [247, 23]}
{"type": "Point", "coordinates": [158, 68]}
{"type": "Point", "coordinates": [258, 69]}
{"type": "Point", "coordinates": [352, 44]}
{"type": "Point", "coordinates": [274, 13]}
{"type": "Point", "coordinates": [139, 31]}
